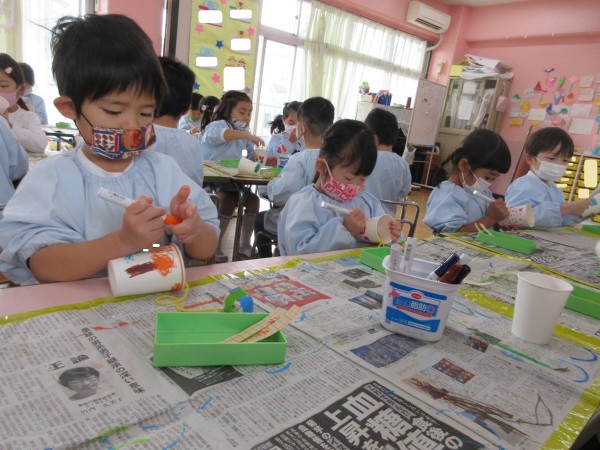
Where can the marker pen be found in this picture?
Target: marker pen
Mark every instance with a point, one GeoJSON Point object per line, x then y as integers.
{"type": "Point", "coordinates": [335, 208]}
{"type": "Point", "coordinates": [121, 200]}
{"type": "Point", "coordinates": [409, 252]}
{"type": "Point", "coordinates": [464, 271]}
{"type": "Point", "coordinates": [443, 267]}
{"type": "Point", "coordinates": [483, 197]}
{"type": "Point", "coordinates": [396, 257]}
{"type": "Point", "coordinates": [451, 274]}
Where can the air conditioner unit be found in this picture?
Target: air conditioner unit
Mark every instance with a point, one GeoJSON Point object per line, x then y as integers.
{"type": "Point", "coordinates": [425, 16]}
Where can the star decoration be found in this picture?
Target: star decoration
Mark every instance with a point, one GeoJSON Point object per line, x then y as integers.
{"type": "Point", "coordinates": [223, 2]}
{"type": "Point", "coordinates": [250, 31]}
{"type": "Point", "coordinates": [216, 78]}
{"type": "Point", "coordinates": [219, 44]}
{"type": "Point", "coordinates": [199, 28]}
{"type": "Point", "coordinates": [196, 86]}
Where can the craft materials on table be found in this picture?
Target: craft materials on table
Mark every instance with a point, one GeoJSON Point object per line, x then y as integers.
{"type": "Point", "coordinates": [270, 325]}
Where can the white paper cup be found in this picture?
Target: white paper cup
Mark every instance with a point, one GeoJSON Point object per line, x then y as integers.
{"type": "Point", "coordinates": [540, 300]}
{"type": "Point", "coordinates": [378, 230]}
{"type": "Point", "coordinates": [261, 155]}
{"type": "Point", "coordinates": [3, 104]}
{"type": "Point", "coordinates": [158, 270]}
{"type": "Point", "coordinates": [248, 167]}
{"type": "Point", "coordinates": [520, 216]}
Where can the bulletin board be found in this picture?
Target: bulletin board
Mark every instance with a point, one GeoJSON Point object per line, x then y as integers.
{"type": "Point", "coordinates": [427, 113]}
{"type": "Point", "coordinates": [223, 40]}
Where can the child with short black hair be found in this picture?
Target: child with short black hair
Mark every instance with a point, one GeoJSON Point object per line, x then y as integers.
{"type": "Point", "coordinates": [547, 152]}
{"type": "Point", "coordinates": [55, 228]}
{"type": "Point", "coordinates": [178, 144]}
{"type": "Point", "coordinates": [346, 159]}
{"type": "Point", "coordinates": [315, 115]}
{"type": "Point", "coordinates": [190, 121]}
{"type": "Point", "coordinates": [25, 124]}
{"type": "Point", "coordinates": [452, 206]}
{"type": "Point", "coordinates": [287, 137]}
{"type": "Point", "coordinates": [391, 178]}
{"type": "Point", "coordinates": [225, 138]}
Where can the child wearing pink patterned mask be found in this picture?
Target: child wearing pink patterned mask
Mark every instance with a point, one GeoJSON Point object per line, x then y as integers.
{"type": "Point", "coordinates": [347, 157]}
{"type": "Point", "coordinates": [25, 124]}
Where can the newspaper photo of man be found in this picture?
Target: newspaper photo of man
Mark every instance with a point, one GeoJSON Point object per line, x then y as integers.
{"type": "Point", "coordinates": [82, 380]}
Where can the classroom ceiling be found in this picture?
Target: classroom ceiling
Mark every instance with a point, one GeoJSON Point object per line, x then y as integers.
{"type": "Point", "coordinates": [475, 3]}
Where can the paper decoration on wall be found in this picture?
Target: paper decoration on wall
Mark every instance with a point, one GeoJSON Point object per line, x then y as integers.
{"type": "Point", "coordinates": [528, 93]}
{"type": "Point", "coordinates": [548, 72]}
{"type": "Point", "coordinates": [586, 95]}
{"type": "Point", "coordinates": [516, 98]}
{"type": "Point", "coordinates": [581, 126]}
{"type": "Point", "coordinates": [223, 45]}
{"type": "Point", "coordinates": [538, 114]}
{"type": "Point", "coordinates": [586, 81]}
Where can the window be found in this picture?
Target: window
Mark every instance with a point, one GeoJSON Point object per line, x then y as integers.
{"type": "Point", "coordinates": [310, 48]}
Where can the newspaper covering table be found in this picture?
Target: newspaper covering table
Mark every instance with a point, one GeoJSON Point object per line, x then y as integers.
{"type": "Point", "coordinates": [346, 383]}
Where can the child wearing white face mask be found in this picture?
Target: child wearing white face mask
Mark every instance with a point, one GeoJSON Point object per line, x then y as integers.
{"type": "Point", "coordinates": [547, 151]}
{"type": "Point", "coordinates": [452, 206]}
{"type": "Point", "coordinates": [287, 137]}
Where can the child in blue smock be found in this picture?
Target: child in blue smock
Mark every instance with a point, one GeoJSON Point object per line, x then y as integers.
{"type": "Point", "coordinates": [207, 107]}
{"type": "Point", "coordinates": [287, 139]}
{"type": "Point", "coordinates": [315, 115]}
{"type": "Point", "coordinates": [190, 121]}
{"type": "Point", "coordinates": [346, 159]}
{"type": "Point", "coordinates": [452, 206]}
{"type": "Point", "coordinates": [225, 138]}
{"type": "Point", "coordinates": [55, 227]}
{"type": "Point", "coordinates": [13, 162]}
{"type": "Point", "coordinates": [547, 152]}
{"type": "Point", "coordinates": [391, 178]}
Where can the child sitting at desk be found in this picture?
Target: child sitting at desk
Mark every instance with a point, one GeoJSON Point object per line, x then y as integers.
{"type": "Point", "coordinates": [55, 228]}
{"type": "Point", "coordinates": [190, 121]}
{"type": "Point", "coordinates": [36, 103]}
{"type": "Point", "coordinates": [547, 152]}
{"type": "Point", "coordinates": [24, 123]}
{"type": "Point", "coordinates": [13, 163]}
{"type": "Point", "coordinates": [288, 139]}
{"type": "Point", "coordinates": [346, 159]}
{"type": "Point", "coordinates": [225, 138]}
{"type": "Point", "coordinates": [391, 178]}
{"type": "Point", "coordinates": [207, 107]}
{"type": "Point", "coordinates": [179, 145]}
{"type": "Point", "coordinates": [315, 115]}
{"type": "Point", "coordinates": [452, 206]}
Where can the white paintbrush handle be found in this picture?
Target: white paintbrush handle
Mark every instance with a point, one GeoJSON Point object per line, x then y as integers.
{"type": "Point", "coordinates": [483, 197]}
{"type": "Point", "coordinates": [335, 208]}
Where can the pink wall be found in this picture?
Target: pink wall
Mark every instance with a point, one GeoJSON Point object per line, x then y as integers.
{"type": "Point", "coordinates": [147, 13]}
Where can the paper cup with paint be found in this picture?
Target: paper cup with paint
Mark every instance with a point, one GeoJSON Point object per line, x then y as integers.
{"type": "Point", "coordinates": [158, 270]}
{"type": "Point", "coordinates": [261, 155]}
{"type": "Point", "coordinates": [377, 230]}
{"type": "Point", "coordinates": [539, 301]}
{"type": "Point", "coordinates": [282, 160]}
{"type": "Point", "coordinates": [519, 217]}
{"type": "Point", "coordinates": [3, 105]}
{"type": "Point", "coordinates": [247, 167]}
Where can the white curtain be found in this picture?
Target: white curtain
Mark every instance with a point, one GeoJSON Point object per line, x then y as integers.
{"type": "Point", "coordinates": [342, 50]}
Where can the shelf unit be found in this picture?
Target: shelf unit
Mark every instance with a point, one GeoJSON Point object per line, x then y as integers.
{"type": "Point", "coordinates": [573, 181]}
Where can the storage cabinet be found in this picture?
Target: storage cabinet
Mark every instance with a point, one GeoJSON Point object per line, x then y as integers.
{"type": "Point", "coordinates": [469, 105]}
{"type": "Point", "coordinates": [582, 177]}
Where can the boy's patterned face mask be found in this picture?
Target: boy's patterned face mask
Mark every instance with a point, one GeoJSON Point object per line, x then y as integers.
{"type": "Point", "coordinates": [119, 143]}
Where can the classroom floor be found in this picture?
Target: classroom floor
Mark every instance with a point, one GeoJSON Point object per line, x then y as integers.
{"type": "Point", "coordinates": [417, 195]}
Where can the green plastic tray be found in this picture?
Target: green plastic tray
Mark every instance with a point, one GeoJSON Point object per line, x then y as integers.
{"type": "Point", "coordinates": [230, 162]}
{"type": "Point", "coordinates": [584, 301]}
{"type": "Point", "coordinates": [373, 257]}
{"type": "Point", "coordinates": [507, 241]}
{"type": "Point", "coordinates": [591, 228]}
{"type": "Point", "coordinates": [270, 172]}
{"type": "Point", "coordinates": [195, 339]}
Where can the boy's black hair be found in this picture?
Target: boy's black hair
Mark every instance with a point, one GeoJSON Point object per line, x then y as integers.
{"type": "Point", "coordinates": [180, 83]}
{"type": "Point", "coordinates": [97, 55]}
{"type": "Point", "coordinates": [196, 100]}
{"type": "Point", "coordinates": [548, 139]}
{"type": "Point", "coordinates": [15, 72]}
{"type": "Point", "coordinates": [384, 124]}
{"type": "Point", "coordinates": [228, 101]}
{"type": "Point", "coordinates": [349, 143]}
{"type": "Point", "coordinates": [317, 113]}
{"type": "Point", "coordinates": [207, 106]}
{"type": "Point", "coordinates": [483, 149]}
{"type": "Point", "coordinates": [78, 372]}
{"type": "Point", "coordinates": [28, 73]}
